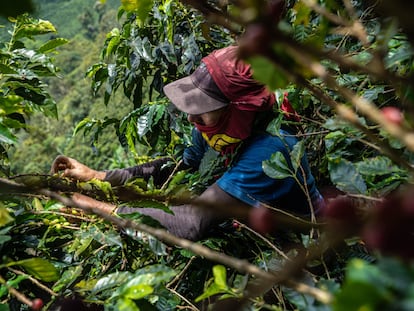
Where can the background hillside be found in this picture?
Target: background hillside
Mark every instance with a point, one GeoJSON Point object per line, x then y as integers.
{"type": "Point", "coordinates": [85, 24]}
{"type": "Point", "coordinates": [348, 70]}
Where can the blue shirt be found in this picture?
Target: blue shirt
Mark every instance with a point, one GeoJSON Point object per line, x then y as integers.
{"type": "Point", "coordinates": [246, 180]}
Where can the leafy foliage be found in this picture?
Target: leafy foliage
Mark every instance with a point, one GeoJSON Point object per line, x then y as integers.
{"type": "Point", "coordinates": [143, 59]}
{"type": "Point", "coordinates": [22, 89]}
{"type": "Point", "coordinates": [341, 67]}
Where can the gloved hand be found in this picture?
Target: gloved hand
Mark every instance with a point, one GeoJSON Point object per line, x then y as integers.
{"type": "Point", "coordinates": [74, 169]}
{"type": "Point", "coordinates": [159, 169]}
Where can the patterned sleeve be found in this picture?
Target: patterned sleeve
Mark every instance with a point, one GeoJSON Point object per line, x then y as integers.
{"type": "Point", "coordinates": [193, 154]}
{"type": "Point", "coordinates": [161, 168]}
{"type": "Point", "coordinates": [158, 169]}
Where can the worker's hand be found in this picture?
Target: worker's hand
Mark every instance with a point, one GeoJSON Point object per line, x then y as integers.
{"type": "Point", "coordinates": [71, 168]}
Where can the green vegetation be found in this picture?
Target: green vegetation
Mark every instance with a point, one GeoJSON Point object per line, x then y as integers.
{"type": "Point", "coordinates": [342, 64]}
{"type": "Point", "coordinates": [84, 24]}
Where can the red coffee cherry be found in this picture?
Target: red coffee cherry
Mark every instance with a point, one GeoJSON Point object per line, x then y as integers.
{"type": "Point", "coordinates": [393, 115]}
{"type": "Point", "coordinates": [262, 220]}
{"type": "Point", "coordinates": [37, 304]}
{"type": "Point", "coordinates": [341, 208]}
{"type": "Point", "coordinates": [389, 228]}
{"type": "Point", "coordinates": [236, 225]}
{"type": "Point", "coordinates": [341, 216]}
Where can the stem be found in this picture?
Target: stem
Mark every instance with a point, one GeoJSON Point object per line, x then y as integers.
{"type": "Point", "coordinates": [19, 296]}
{"type": "Point", "coordinates": [34, 281]}
{"type": "Point", "coordinates": [12, 38]}
{"type": "Point", "coordinates": [281, 253]}
{"type": "Point", "coordinates": [171, 175]}
{"type": "Point", "coordinates": [243, 266]}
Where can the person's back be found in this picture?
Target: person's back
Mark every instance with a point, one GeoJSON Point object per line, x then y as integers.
{"type": "Point", "coordinates": [245, 179]}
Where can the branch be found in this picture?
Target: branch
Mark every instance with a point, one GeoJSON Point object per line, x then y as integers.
{"type": "Point", "coordinates": [19, 296]}
{"type": "Point", "coordinates": [354, 27]}
{"type": "Point", "coordinates": [34, 281]}
{"type": "Point", "coordinates": [344, 111]}
{"type": "Point", "coordinates": [366, 107]}
{"type": "Point", "coordinates": [243, 266]}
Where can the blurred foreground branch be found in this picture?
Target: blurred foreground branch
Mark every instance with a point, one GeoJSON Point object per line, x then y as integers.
{"type": "Point", "coordinates": [243, 266]}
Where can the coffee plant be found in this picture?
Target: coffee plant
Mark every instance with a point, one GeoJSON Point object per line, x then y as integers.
{"type": "Point", "coordinates": [346, 67]}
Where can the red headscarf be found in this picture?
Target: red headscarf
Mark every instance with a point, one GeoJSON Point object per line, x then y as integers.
{"type": "Point", "coordinates": [235, 80]}
{"type": "Point", "coordinates": [246, 96]}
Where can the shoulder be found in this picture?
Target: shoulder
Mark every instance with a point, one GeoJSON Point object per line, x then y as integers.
{"type": "Point", "coordinates": [265, 144]}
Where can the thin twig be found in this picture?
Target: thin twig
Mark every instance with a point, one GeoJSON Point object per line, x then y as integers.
{"type": "Point", "coordinates": [190, 305]}
{"type": "Point", "coordinates": [178, 276]}
{"type": "Point", "coordinates": [68, 215]}
{"type": "Point", "coordinates": [364, 106]}
{"type": "Point", "coordinates": [34, 281]}
{"type": "Point", "coordinates": [171, 175]}
{"type": "Point", "coordinates": [21, 297]}
{"type": "Point", "coordinates": [240, 265]}
{"type": "Point", "coordinates": [242, 225]}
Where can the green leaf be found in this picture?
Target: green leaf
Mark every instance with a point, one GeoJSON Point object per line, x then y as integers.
{"type": "Point", "coordinates": [212, 290]}
{"type": "Point", "coordinates": [144, 124]}
{"type": "Point", "coordinates": [143, 279]}
{"type": "Point", "coordinates": [364, 288]}
{"type": "Point", "coordinates": [108, 238]}
{"type": "Point", "coordinates": [174, 186]}
{"type": "Point", "coordinates": [86, 124]}
{"type": "Point", "coordinates": [110, 281]}
{"type": "Point", "coordinates": [11, 104]}
{"type": "Point", "coordinates": [6, 136]}
{"type": "Point", "coordinates": [14, 283]}
{"type": "Point", "coordinates": [377, 166]}
{"type": "Point", "coordinates": [219, 286]}
{"type": "Point", "coordinates": [39, 268]}
{"type": "Point", "coordinates": [373, 93]}
{"type": "Point", "coordinates": [266, 72]}
{"type": "Point", "coordinates": [126, 304]}
{"type": "Point", "coordinates": [344, 175]}
{"type": "Point", "coordinates": [168, 51]}
{"type": "Point", "coordinates": [138, 291]}
{"type": "Point", "coordinates": [141, 7]}
{"type": "Point", "coordinates": [150, 275]}
{"type": "Point", "coordinates": [357, 296]}
{"type": "Point", "coordinates": [277, 166]}
{"type": "Point", "coordinates": [396, 59]}
{"type": "Point", "coordinates": [81, 245]}
{"type": "Point", "coordinates": [14, 124]}
{"type": "Point", "coordinates": [296, 154]}
{"type": "Point", "coordinates": [113, 42]}
{"type": "Point", "coordinates": [33, 92]}
{"type": "Point", "coordinates": [5, 69]}
{"type": "Point", "coordinates": [220, 276]}
{"type": "Point", "coordinates": [334, 140]}
{"type": "Point", "coordinates": [5, 218]}
{"type": "Point", "coordinates": [150, 203]}
{"type": "Point", "coordinates": [156, 112]}
{"type": "Point", "coordinates": [4, 239]}
{"type": "Point", "coordinates": [359, 270]}
{"type": "Point", "coordinates": [52, 44]}
{"type": "Point", "coordinates": [31, 27]}
{"type": "Point", "coordinates": [143, 48]}
{"type": "Point", "coordinates": [303, 13]}
{"type": "Point", "coordinates": [68, 277]}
